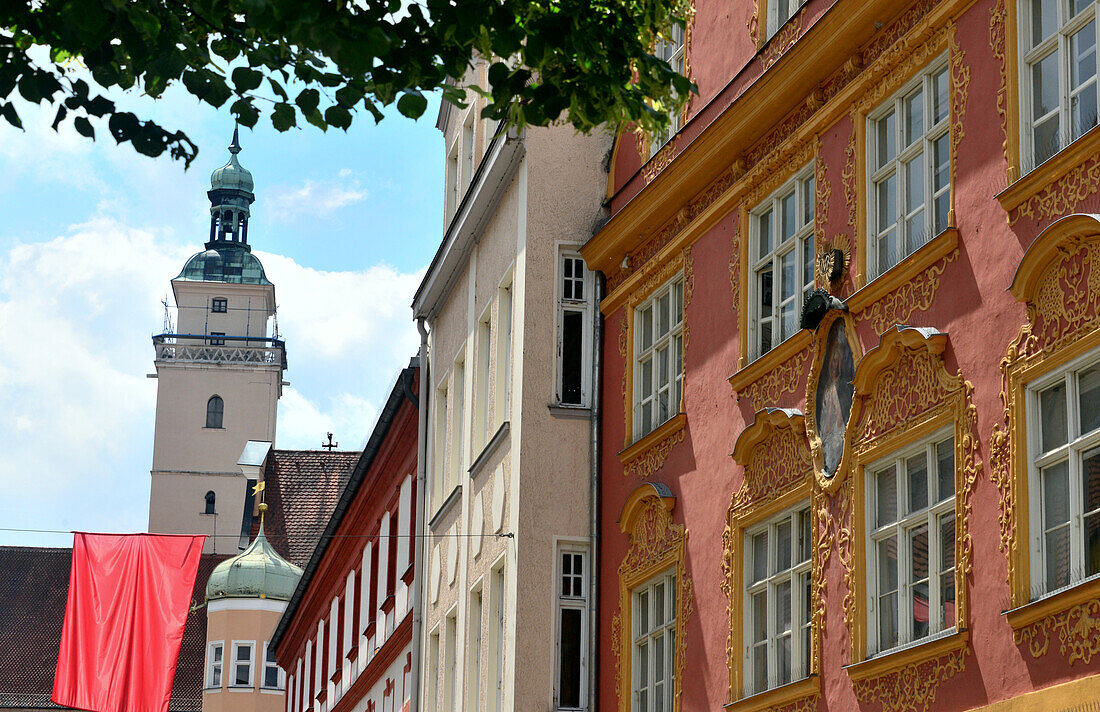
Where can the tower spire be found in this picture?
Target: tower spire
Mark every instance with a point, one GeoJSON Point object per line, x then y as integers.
{"type": "Point", "coordinates": [230, 197]}
{"type": "Point", "coordinates": [235, 147]}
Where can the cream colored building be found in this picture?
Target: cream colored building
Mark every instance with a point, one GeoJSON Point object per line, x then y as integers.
{"type": "Point", "coordinates": [509, 308]}
{"type": "Point", "coordinates": [219, 376]}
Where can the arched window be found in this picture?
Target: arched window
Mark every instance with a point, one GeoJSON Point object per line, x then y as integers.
{"type": "Point", "coordinates": [214, 408]}
{"type": "Point", "coordinates": [210, 497]}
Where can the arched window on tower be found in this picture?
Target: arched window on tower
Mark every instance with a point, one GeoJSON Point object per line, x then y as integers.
{"type": "Point", "coordinates": [210, 498]}
{"type": "Point", "coordinates": [214, 409]}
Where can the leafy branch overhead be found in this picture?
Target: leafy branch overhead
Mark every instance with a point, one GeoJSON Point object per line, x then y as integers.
{"type": "Point", "coordinates": [323, 62]}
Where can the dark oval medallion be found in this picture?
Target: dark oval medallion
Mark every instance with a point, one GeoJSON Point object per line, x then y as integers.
{"type": "Point", "coordinates": [833, 400]}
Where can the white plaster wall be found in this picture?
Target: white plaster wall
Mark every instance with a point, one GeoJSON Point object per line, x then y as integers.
{"type": "Point", "coordinates": [249, 308]}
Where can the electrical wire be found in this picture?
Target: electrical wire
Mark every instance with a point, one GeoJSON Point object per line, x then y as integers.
{"type": "Point", "coordinates": [285, 537]}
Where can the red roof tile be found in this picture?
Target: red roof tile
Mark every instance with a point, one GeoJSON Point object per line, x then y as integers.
{"type": "Point", "coordinates": [34, 585]}
{"type": "Point", "coordinates": [303, 487]}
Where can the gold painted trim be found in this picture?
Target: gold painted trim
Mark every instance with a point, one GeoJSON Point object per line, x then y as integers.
{"type": "Point", "coordinates": [1003, 41]}
{"type": "Point", "coordinates": [893, 661]}
{"type": "Point", "coordinates": [656, 545]}
{"type": "Point", "coordinates": [904, 272]}
{"type": "Point", "coordinates": [912, 688]}
{"type": "Point", "coordinates": [774, 360]}
{"type": "Point", "coordinates": [1055, 187]}
{"type": "Point", "coordinates": [1073, 696]}
{"type": "Point", "coordinates": [649, 453]}
{"type": "Point", "coordinates": [1052, 605]}
{"type": "Point", "coordinates": [778, 697]}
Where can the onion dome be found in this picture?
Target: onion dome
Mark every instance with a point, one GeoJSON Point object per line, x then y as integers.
{"type": "Point", "coordinates": [232, 176]}
{"type": "Point", "coordinates": [256, 572]}
{"type": "Point", "coordinates": [225, 263]}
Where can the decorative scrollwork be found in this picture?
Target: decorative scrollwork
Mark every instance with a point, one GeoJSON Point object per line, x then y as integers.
{"type": "Point", "coordinates": [848, 175]}
{"type": "Point", "coordinates": [768, 389]}
{"type": "Point", "coordinates": [782, 41]}
{"type": "Point", "coordinates": [779, 461]}
{"type": "Point", "coordinates": [917, 295]}
{"type": "Point", "coordinates": [735, 259]}
{"type": "Point", "coordinates": [912, 688]}
{"type": "Point", "coordinates": [660, 161]}
{"type": "Point", "coordinates": [656, 544]}
{"type": "Point", "coordinates": [998, 21]}
{"type": "Point", "coordinates": [1078, 631]}
{"type": "Point", "coordinates": [1061, 196]}
{"type": "Point", "coordinates": [960, 84]}
{"type": "Point", "coordinates": [652, 458]}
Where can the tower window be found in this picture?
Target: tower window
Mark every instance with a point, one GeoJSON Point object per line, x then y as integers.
{"type": "Point", "coordinates": [220, 305]}
{"type": "Point", "coordinates": [210, 498]}
{"type": "Point", "coordinates": [217, 338]}
{"type": "Point", "coordinates": [214, 409]}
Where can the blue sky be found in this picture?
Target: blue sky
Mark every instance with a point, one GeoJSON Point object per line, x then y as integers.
{"type": "Point", "coordinates": [91, 235]}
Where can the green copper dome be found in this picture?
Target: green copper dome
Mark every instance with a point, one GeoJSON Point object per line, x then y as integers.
{"type": "Point", "coordinates": [256, 572]}
{"type": "Point", "coordinates": [226, 263]}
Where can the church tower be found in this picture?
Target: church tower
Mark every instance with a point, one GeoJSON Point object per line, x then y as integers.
{"type": "Point", "coordinates": [219, 376]}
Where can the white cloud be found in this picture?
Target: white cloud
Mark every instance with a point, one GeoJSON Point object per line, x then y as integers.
{"type": "Point", "coordinates": [315, 198]}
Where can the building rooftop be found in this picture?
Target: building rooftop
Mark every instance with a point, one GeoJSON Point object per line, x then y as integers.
{"type": "Point", "coordinates": [232, 263]}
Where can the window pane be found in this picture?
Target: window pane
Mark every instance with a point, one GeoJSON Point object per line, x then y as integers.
{"type": "Point", "coordinates": [677, 303]}
{"type": "Point", "coordinates": [662, 316]}
{"type": "Point", "coordinates": [659, 605]}
{"type": "Point", "coordinates": [914, 183]}
{"type": "Point", "coordinates": [886, 502]}
{"type": "Point", "coordinates": [1055, 495]}
{"type": "Point", "coordinates": [760, 617]}
{"type": "Point", "coordinates": [1076, 6]}
{"type": "Point", "coordinates": [271, 676]}
{"type": "Point", "coordinates": [760, 556]}
{"type": "Point", "coordinates": [1092, 544]}
{"type": "Point", "coordinates": [947, 566]}
{"type": "Point", "coordinates": [760, 668]}
{"type": "Point", "coordinates": [1052, 409]}
{"type": "Point", "coordinates": [789, 206]}
{"type": "Point", "coordinates": [918, 548]}
{"type": "Point", "coordinates": [1046, 139]}
{"type": "Point", "coordinates": [1057, 558]}
{"type": "Point", "coordinates": [941, 172]}
{"type": "Point", "coordinates": [783, 607]}
{"type": "Point", "coordinates": [647, 378]}
{"type": "Point", "coordinates": [887, 191]}
{"type": "Point", "coordinates": [1082, 65]}
{"type": "Point", "coordinates": [914, 116]}
{"type": "Point", "coordinates": [783, 660]}
{"type": "Point", "coordinates": [569, 679]}
{"type": "Point", "coordinates": [1088, 383]}
{"type": "Point", "coordinates": [916, 470]}
{"type": "Point", "coordinates": [572, 356]}
{"type": "Point", "coordinates": [808, 260]}
{"type": "Point", "coordinates": [218, 654]}
{"type": "Point", "coordinates": [805, 528]}
{"type": "Point", "coordinates": [790, 319]}
{"type": "Point", "coordinates": [1044, 19]}
{"type": "Point", "coordinates": [765, 279]}
{"type": "Point", "coordinates": [244, 653]}
{"type": "Point", "coordinates": [886, 139]}
{"type": "Point", "coordinates": [887, 565]}
{"type": "Point", "coordinates": [945, 469]}
{"type": "Point", "coordinates": [783, 545]}
{"type": "Point", "coordinates": [646, 317]}
{"type": "Point", "coordinates": [888, 621]}
{"type": "Point", "coordinates": [787, 284]}
{"type": "Point", "coordinates": [887, 251]}
{"type": "Point", "coordinates": [241, 677]}
{"type": "Point", "coordinates": [1090, 473]}
{"type": "Point", "coordinates": [643, 613]}
{"type": "Point", "coordinates": [765, 233]}
{"type": "Point", "coordinates": [808, 201]}
{"type": "Point", "coordinates": [940, 102]}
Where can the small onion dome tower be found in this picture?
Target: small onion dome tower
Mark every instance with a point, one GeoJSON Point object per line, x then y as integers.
{"type": "Point", "coordinates": [245, 597]}
{"type": "Point", "coordinates": [230, 196]}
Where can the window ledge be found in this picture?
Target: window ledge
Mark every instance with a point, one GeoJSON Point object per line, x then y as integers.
{"type": "Point", "coordinates": [753, 372]}
{"type": "Point", "coordinates": [905, 271]}
{"type": "Point", "coordinates": [407, 577]}
{"type": "Point", "coordinates": [1050, 170]}
{"type": "Point", "coordinates": [665, 430]}
{"type": "Point", "coordinates": [388, 604]}
{"type": "Point", "coordinates": [1054, 603]}
{"type": "Point", "coordinates": [240, 688]}
{"type": "Point", "coordinates": [448, 505]}
{"type": "Point", "coordinates": [564, 410]}
{"type": "Point", "coordinates": [352, 652]}
{"type": "Point", "coordinates": [777, 697]}
{"type": "Point", "coordinates": [490, 447]}
{"type": "Point", "coordinates": [335, 677]}
{"type": "Point", "coordinates": [897, 658]}
{"type": "Point", "coordinates": [211, 689]}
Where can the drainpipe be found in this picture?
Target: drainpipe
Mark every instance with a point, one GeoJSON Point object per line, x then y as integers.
{"type": "Point", "coordinates": [421, 488]}
{"type": "Point", "coordinates": [594, 500]}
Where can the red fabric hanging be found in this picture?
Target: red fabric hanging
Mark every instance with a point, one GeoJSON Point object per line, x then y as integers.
{"type": "Point", "coordinates": [129, 595]}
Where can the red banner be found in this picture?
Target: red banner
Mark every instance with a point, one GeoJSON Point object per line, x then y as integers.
{"type": "Point", "coordinates": [129, 595]}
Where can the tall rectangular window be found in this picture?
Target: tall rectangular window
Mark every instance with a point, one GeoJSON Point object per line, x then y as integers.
{"type": "Point", "coordinates": [273, 675]}
{"type": "Point", "coordinates": [458, 424]}
{"type": "Point", "coordinates": [573, 330]}
{"type": "Point", "coordinates": [214, 664]}
{"type": "Point", "coordinates": [572, 628]}
{"type": "Point", "coordinates": [450, 663]}
{"type": "Point", "coordinates": [777, 601]}
{"type": "Point", "coordinates": [1064, 486]}
{"type": "Point", "coordinates": [1058, 75]}
{"type": "Point", "coordinates": [503, 387]}
{"type": "Point", "coordinates": [654, 649]}
{"type": "Point", "coordinates": [452, 185]}
{"type": "Point", "coordinates": [482, 376]}
{"type": "Point", "coordinates": [242, 663]}
{"type": "Point", "coordinates": [439, 437]}
{"type": "Point", "coordinates": [911, 545]}
{"type": "Point", "coordinates": [910, 168]}
{"type": "Point", "coordinates": [497, 638]}
{"type": "Point", "coordinates": [468, 146]}
{"type": "Point", "coordinates": [671, 50]}
{"type": "Point", "coordinates": [473, 653]}
{"type": "Point", "coordinates": [658, 356]}
{"type": "Point", "coordinates": [431, 672]}
{"type": "Point", "coordinates": [782, 250]}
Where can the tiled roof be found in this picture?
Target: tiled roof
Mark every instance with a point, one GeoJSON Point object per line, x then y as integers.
{"type": "Point", "coordinates": [303, 487]}
{"type": "Point", "coordinates": [34, 585]}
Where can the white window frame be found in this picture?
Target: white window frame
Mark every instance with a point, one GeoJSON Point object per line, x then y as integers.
{"type": "Point", "coordinates": [1072, 452]}
{"type": "Point", "coordinates": [573, 305]}
{"type": "Point", "coordinates": [269, 662]}
{"type": "Point", "coordinates": [903, 523]}
{"type": "Point", "coordinates": [502, 399]}
{"type": "Point", "coordinates": [213, 665]}
{"type": "Point", "coordinates": [237, 645]}
{"type": "Point", "coordinates": [571, 602]}
{"type": "Point", "coordinates": [794, 574]}
{"type": "Point", "coordinates": [776, 19]}
{"type": "Point", "coordinates": [217, 302]}
{"type": "Point", "coordinates": [452, 694]}
{"type": "Point", "coordinates": [641, 672]}
{"type": "Point", "coordinates": [452, 179]}
{"type": "Point", "coordinates": [468, 159]}
{"type": "Point", "coordinates": [441, 423]}
{"type": "Point", "coordinates": [801, 188]}
{"type": "Point", "coordinates": [903, 156]}
{"type": "Point", "coordinates": [498, 632]}
{"type": "Point", "coordinates": [1059, 41]}
{"type": "Point", "coordinates": [456, 464]}
{"type": "Point", "coordinates": [483, 374]}
{"type": "Point", "coordinates": [672, 51]}
{"type": "Point", "coordinates": [674, 290]}
{"type": "Point", "coordinates": [473, 661]}
{"type": "Point", "coordinates": [432, 670]}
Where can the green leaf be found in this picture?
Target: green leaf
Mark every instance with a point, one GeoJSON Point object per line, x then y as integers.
{"type": "Point", "coordinates": [307, 101]}
{"type": "Point", "coordinates": [84, 127]}
{"type": "Point", "coordinates": [245, 79]}
{"type": "Point", "coordinates": [338, 116]}
{"type": "Point", "coordinates": [283, 116]}
{"type": "Point", "coordinates": [9, 113]}
{"type": "Point", "coordinates": [412, 104]}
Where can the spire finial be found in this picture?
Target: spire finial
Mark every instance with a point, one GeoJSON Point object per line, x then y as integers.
{"type": "Point", "coordinates": [235, 147]}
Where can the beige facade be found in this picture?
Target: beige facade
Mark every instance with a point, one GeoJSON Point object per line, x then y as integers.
{"type": "Point", "coordinates": [232, 684]}
{"type": "Point", "coordinates": [509, 465]}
